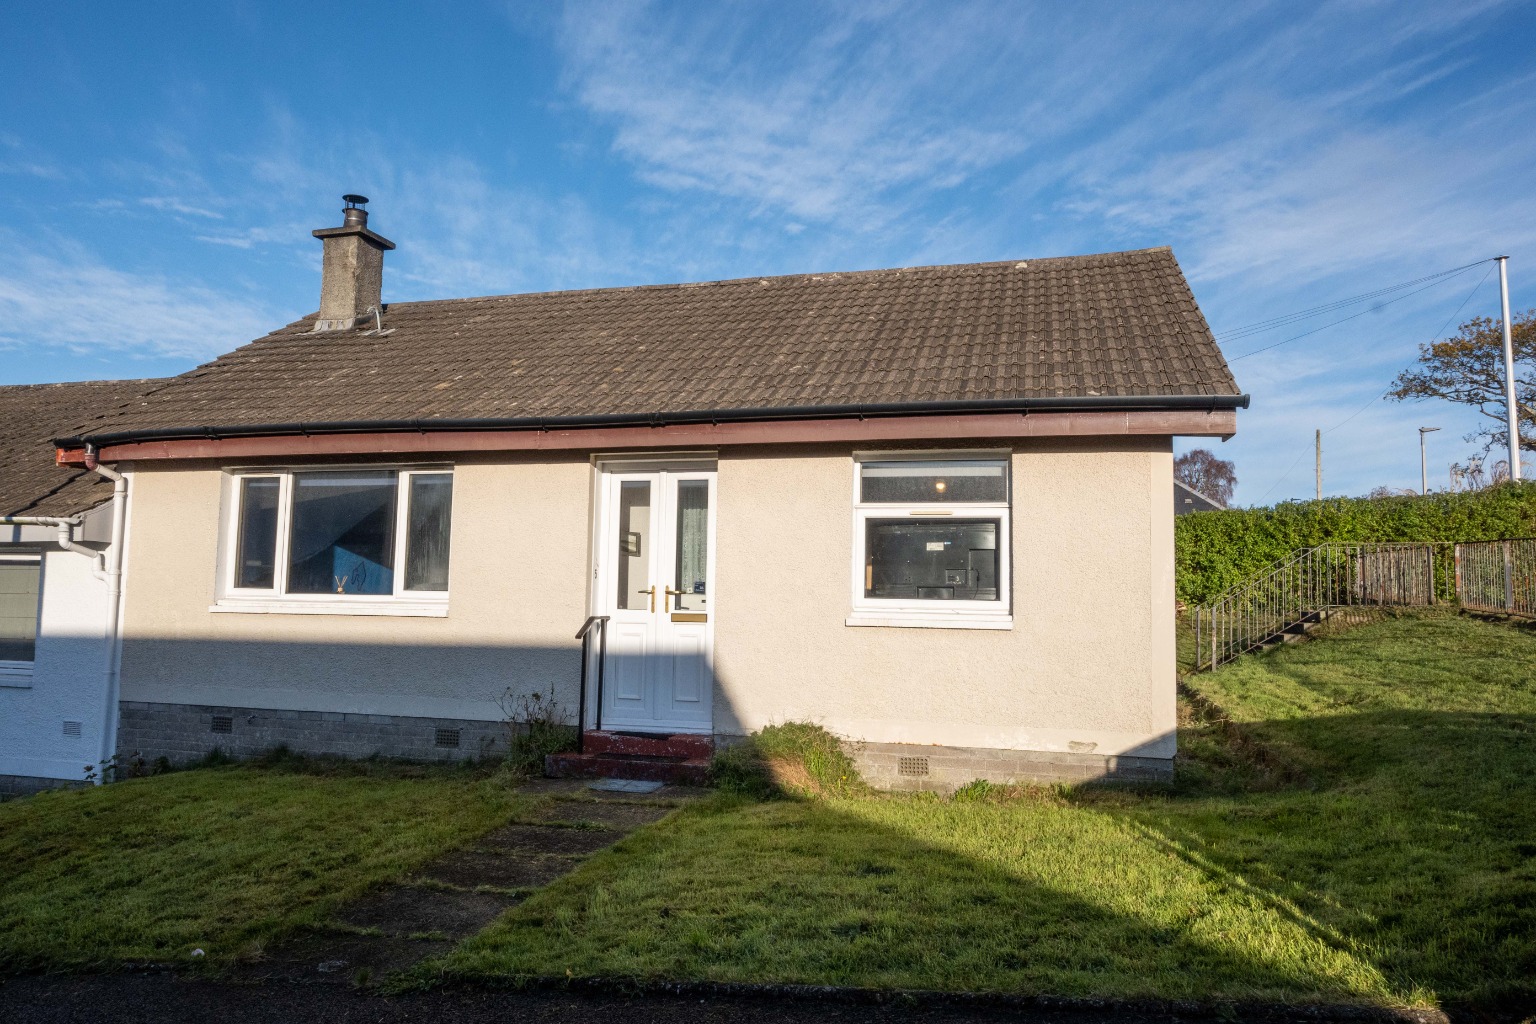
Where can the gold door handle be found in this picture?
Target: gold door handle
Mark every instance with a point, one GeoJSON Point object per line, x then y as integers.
{"type": "Point", "coordinates": [652, 592]}
{"type": "Point", "coordinates": [671, 593]}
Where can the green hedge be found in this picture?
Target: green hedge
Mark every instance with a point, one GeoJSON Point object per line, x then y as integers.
{"type": "Point", "coordinates": [1217, 550]}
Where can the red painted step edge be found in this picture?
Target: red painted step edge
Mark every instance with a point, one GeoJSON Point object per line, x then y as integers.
{"type": "Point", "coordinates": [684, 745]}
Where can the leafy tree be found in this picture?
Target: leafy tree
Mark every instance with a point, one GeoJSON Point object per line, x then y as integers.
{"type": "Point", "coordinates": [1199, 470]}
{"type": "Point", "coordinates": [1469, 370]}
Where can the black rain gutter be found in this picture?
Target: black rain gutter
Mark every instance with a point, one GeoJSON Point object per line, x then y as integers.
{"type": "Point", "coordinates": [1082, 403]}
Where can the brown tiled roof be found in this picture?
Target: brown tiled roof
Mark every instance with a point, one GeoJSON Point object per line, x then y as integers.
{"type": "Point", "coordinates": [31, 415]}
{"type": "Point", "coordinates": [1118, 324]}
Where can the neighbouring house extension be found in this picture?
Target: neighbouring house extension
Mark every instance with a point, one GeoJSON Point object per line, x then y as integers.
{"type": "Point", "coordinates": [55, 715]}
{"type": "Point", "coordinates": [930, 509]}
{"type": "Point", "coordinates": [1186, 500]}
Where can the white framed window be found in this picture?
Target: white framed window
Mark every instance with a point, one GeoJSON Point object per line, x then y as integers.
{"type": "Point", "coordinates": [931, 540]}
{"type": "Point", "coordinates": [364, 540]}
{"type": "Point", "coordinates": [21, 588]}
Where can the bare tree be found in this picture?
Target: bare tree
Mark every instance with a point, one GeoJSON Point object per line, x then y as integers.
{"type": "Point", "coordinates": [1201, 471]}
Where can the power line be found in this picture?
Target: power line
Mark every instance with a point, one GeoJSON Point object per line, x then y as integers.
{"type": "Point", "coordinates": [1432, 339]}
{"type": "Point", "coordinates": [1292, 468]}
{"type": "Point", "coordinates": [1259, 327]}
{"type": "Point", "coordinates": [1352, 316]}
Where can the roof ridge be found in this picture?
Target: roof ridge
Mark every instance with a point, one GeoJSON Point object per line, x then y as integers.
{"type": "Point", "coordinates": [78, 383]}
{"type": "Point", "coordinates": [764, 278]}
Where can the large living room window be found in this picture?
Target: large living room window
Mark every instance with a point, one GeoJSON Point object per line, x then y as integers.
{"type": "Point", "coordinates": [357, 540]}
{"type": "Point", "coordinates": [931, 539]}
{"type": "Point", "coordinates": [21, 578]}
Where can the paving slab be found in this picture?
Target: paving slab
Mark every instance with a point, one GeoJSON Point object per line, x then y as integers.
{"type": "Point", "coordinates": [404, 910]}
{"type": "Point", "coordinates": [613, 816]}
{"type": "Point", "coordinates": [337, 958]}
{"type": "Point", "coordinates": [514, 839]}
{"type": "Point", "coordinates": [468, 869]}
{"type": "Point", "coordinates": [625, 786]}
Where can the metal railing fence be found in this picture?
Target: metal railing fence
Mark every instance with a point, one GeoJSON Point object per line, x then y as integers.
{"type": "Point", "coordinates": [1300, 589]}
{"type": "Point", "coordinates": [1497, 576]}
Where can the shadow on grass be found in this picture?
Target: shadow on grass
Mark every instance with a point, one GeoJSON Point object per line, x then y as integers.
{"type": "Point", "coordinates": [1413, 842]}
{"type": "Point", "coordinates": [1389, 858]}
{"type": "Point", "coordinates": [1416, 852]}
{"type": "Point", "coordinates": [1028, 898]}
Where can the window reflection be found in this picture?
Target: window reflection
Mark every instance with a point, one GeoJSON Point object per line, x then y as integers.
{"type": "Point", "coordinates": [343, 533]}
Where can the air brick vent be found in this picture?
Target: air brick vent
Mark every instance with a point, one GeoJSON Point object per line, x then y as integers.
{"type": "Point", "coordinates": [223, 723]}
{"type": "Point", "coordinates": [448, 737]}
{"type": "Point", "coordinates": [71, 728]}
{"type": "Point", "coordinates": [911, 766]}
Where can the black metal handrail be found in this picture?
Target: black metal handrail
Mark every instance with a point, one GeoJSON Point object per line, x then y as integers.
{"type": "Point", "coordinates": [584, 634]}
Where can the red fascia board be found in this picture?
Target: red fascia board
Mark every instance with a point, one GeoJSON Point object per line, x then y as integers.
{"type": "Point", "coordinates": [1188, 423]}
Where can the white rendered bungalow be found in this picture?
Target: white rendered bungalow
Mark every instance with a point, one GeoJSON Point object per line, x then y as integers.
{"type": "Point", "coordinates": [929, 508]}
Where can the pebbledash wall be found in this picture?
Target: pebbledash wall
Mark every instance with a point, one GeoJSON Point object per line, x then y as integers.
{"type": "Point", "coordinates": [1081, 686]}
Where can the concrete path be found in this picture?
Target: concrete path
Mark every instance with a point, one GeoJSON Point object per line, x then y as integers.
{"type": "Point", "coordinates": [460, 893]}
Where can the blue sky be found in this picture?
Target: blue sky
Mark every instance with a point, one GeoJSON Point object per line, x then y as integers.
{"type": "Point", "coordinates": [162, 165]}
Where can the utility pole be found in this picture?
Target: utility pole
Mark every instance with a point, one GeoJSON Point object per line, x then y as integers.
{"type": "Point", "coordinates": [1509, 375]}
{"type": "Point", "coordinates": [1423, 465]}
{"type": "Point", "coordinates": [1319, 465]}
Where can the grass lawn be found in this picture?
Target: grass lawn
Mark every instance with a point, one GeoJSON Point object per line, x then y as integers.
{"type": "Point", "coordinates": [1364, 830]}
{"type": "Point", "coordinates": [221, 859]}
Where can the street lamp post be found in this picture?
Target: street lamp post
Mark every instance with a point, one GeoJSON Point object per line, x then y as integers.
{"type": "Point", "coordinates": [1423, 463]}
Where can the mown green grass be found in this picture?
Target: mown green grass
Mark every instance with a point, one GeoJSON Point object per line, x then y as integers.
{"type": "Point", "coordinates": [1360, 830]}
{"type": "Point", "coordinates": [219, 859]}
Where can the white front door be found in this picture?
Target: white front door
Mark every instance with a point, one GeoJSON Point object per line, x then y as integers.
{"type": "Point", "coordinates": [656, 571]}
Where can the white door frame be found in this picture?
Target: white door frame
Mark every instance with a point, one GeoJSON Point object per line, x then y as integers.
{"type": "Point", "coordinates": [670, 633]}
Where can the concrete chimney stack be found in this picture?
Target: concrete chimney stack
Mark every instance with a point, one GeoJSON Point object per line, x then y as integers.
{"type": "Point", "coordinates": [352, 280]}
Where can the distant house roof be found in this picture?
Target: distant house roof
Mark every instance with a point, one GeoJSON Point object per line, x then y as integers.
{"type": "Point", "coordinates": [1119, 329]}
{"type": "Point", "coordinates": [31, 415]}
{"type": "Point", "coordinates": [1187, 499]}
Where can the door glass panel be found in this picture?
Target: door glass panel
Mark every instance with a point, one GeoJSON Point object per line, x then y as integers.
{"type": "Point", "coordinates": [343, 537]}
{"type": "Point", "coordinates": [692, 545]}
{"type": "Point", "coordinates": [954, 560]}
{"type": "Point", "coordinates": [634, 543]}
{"type": "Point", "coordinates": [256, 547]}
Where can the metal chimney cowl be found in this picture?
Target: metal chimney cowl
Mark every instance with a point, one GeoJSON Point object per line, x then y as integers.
{"type": "Point", "coordinates": [352, 274]}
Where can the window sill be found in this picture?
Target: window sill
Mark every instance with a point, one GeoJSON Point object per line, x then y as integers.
{"type": "Point", "coordinates": [924, 619]}
{"type": "Point", "coordinates": [16, 675]}
{"type": "Point", "coordinates": [258, 606]}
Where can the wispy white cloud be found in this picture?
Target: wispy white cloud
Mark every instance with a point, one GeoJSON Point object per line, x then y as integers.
{"type": "Point", "coordinates": [830, 125]}
{"type": "Point", "coordinates": [170, 204]}
{"type": "Point", "coordinates": [18, 158]}
{"type": "Point", "coordinates": [70, 302]}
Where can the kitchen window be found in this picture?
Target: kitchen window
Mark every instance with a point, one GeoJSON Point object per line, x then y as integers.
{"type": "Point", "coordinates": [931, 541]}
{"type": "Point", "coordinates": [361, 541]}
{"type": "Point", "coordinates": [21, 578]}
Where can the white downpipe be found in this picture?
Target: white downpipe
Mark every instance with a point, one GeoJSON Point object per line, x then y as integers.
{"type": "Point", "coordinates": [114, 573]}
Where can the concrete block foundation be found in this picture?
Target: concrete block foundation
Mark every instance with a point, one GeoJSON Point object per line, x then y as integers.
{"type": "Point", "coordinates": [914, 766]}
{"type": "Point", "coordinates": [188, 732]}
{"type": "Point", "coordinates": [12, 786]}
